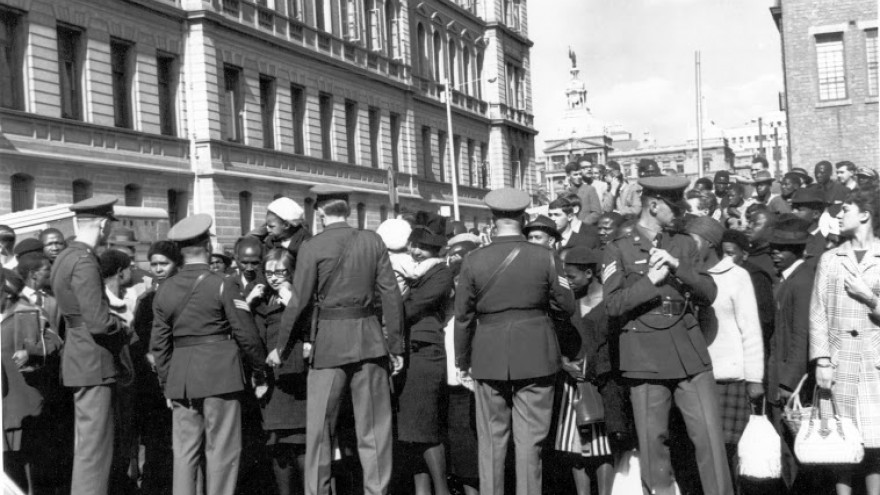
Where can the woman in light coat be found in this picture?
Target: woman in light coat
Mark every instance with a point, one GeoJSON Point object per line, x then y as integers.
{"type": "Point", "coordinates": [845, 328]}
{"type": "Point", "coordinates": [736, 345]}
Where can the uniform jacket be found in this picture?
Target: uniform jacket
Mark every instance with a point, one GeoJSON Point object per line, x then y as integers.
{"type": "Point", "coordinates": [285, 405]}
{"type": "Point", "coordinates": [650, 342]}
{"type": "Point", "coordinates": [364, 275]}
{"type": "Point", "coordinates": [425, 307]}
{"type": "Point", "coordinates": [833, 312]}
{"type": "Point", "coordinates": [789, 344]}
{"type": "Point", "coordinates": [90, 348]}
{"type": "Point", "coordinates": [511, 347]}
{"type": "Point", "coordinates": [215, 308]}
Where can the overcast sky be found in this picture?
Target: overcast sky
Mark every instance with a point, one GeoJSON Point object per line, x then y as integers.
{"type": "Point", "coordinates": [637, 59]}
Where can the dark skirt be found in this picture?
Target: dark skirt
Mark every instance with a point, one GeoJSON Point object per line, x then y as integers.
{"type": "Point", "coordinates": [423, 396]}
{"type": "Point", "coordinates": [463, 459]}
{"type": "Point", "coordinates": [735, 410]}
{"type": "Point", "coordinates": [284, 408]}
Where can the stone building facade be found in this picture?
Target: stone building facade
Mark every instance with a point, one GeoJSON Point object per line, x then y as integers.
{"type": "Point", "coordinates": [219, 106]}
{"type": "Point", "coordinates": [829, 61]}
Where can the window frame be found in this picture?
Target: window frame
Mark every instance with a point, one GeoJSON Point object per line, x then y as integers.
{"type": "Point", "coordinates": [830, 85]}
{"type": "Point", "coordinates": [71, 87]}
{"type": "Point", "coordinates": [233, 129]}
{"type": "Point", "coordinates": [268, 100]}
{"type": "Point", "coordinates": [167, 92]}
{"type": "Point", "coordinates": [13, 77]}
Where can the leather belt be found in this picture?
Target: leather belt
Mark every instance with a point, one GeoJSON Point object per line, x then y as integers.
{"type": "Point", "coordinates": [669, 308]}
{"type": "Point", "coordinates": [73, 321]}
{"type": "Point", "coordinates": [191, 340]}
{"type": "Point", "coordinates": [350, 313]}
{"type": "Point", "coordinates": [510, 315]}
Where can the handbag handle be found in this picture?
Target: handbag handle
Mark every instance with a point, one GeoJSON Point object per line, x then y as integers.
{"type": "Point", "coordinates": [816, 413]}
{"type": "Point", "coordinates": [794, 401]}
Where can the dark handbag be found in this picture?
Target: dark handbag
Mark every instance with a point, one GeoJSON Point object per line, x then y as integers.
{"type": "Point", "coordinates": [589, 407]}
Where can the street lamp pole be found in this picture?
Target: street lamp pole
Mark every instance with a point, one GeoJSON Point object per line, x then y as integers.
{"type": "Point", "coordinates": [450, 144]}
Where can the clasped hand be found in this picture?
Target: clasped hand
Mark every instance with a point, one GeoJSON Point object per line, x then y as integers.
{"type": "Point", "coordinates": [660, 264]}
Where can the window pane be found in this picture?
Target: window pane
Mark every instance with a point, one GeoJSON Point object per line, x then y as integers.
{"type": "Point", "coordinates": [68, 71]}
{"type": "Point", "coordinates": [298, 110]}
{"type": "Point", "coordinates": [326, 103]}
{"type": "Point", "coordinates": [119, 67]}
{"type": "Point", "coordinates": [830, 65]}
{"type": "Point", "coordinates": [351, 116]}
{"type": "Point", "coordinates": [871, 51]}
{"type": "Point", "coordinates": [11, 70]}
{"type": "Point", "coordinates": [22, 192]}
{"type": "Point", "coordinates": [395, 142]}
{"type": "Point", "coordinates": [267, 110]}
{"type": "Point", "coordinates": [232, 97]}
{"type": "Point", "coordinates": [165, 67]}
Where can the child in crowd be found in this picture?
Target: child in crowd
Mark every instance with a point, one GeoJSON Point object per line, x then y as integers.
{"type": "Point", "coordinates": [395, 233]}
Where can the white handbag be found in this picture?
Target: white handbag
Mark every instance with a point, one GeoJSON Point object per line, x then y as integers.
{"type": "Point", "coordinates": [823, 440]}
{"type": "Point", "coordinates": [760, 450]}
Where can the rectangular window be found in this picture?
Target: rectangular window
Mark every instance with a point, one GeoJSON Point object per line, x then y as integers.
{"type": "Point", "coordinates": [69, 67]}
{"type": "Point", "coordinates": [234, 111]}
{"type": "Point", "coordinates": [166, 67]}
{"type": "Point", "coordinates": [177, 205]}
{"type": "Point", "coordinates": [441, 155]}
{"type": "Point", "coordinates": [471, 158]}
{"type": "Point", "coordinates": [871, 52]}
{"type": "Point", "coordinates": [120, 67]}
{"type": "Point", "coordinates": [326, 104]}
{"type": "Point", "coordinates": [351, 130]}
{"type": "Point", "coordinates": [296, 10]}
{"type": "Point", "coordinates": [831, 67]}
{"type": "Point", "coordinates": [395, 142]}
{"type": "Point", "coordinates": [320, 23]}
{"type": "Point", "coordinates": [267, 110]}
{"type": "Point", "coordinates": [298, 111]}
{"type": "Point", "coordinates": [427, 159]}
{"type": "Point", "coordinates": [11, 61]}
{"type": "Point", "coordinates": [456, 158]}
{"type": "Point", "coordinates": [375, 128]}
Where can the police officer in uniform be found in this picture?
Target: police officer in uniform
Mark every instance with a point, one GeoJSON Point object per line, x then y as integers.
{"type": "Point", "coordinates": [349, 348]}
{"type": "Point", "coordinates": [201, 328]}
{"type": "Point", "coordinates": [653, 286]}
{"type": "Point", "coordinates": [93, 340]}
{"type": "Point", "coordinates": [507, 296]}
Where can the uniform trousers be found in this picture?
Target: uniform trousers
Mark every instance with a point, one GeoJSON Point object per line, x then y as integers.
{"type": "Point", "coordinates": [528, 406]}
{"type": "Point", "coordinates": [212, 425]}
{"type": "Point", "coordinates": [371, 402]}
{"type": "Point", "coordinates": [93, 439]}
{"type": "Point", "coordinates": [698, 400]}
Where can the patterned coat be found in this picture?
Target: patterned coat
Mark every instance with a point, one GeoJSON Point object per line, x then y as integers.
{"type": "Point", "coordinates": [842, 329]}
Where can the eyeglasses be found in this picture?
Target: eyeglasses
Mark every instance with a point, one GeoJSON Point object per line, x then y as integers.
{"type": "Point", "coordinates": [278, 273]}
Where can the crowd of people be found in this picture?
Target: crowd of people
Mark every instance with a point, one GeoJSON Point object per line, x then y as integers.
{"type": "Point", "coordinates": [645, 319]}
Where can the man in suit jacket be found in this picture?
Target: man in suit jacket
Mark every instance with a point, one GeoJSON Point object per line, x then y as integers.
{"type": "Point", "coordinates": [250, 278]}
{"type": "Point", "coordinates": [92, 343]}
{"type": "Point", "coordinates": [201, 328]}
{"type": "Point", "coordinates": [591, 207]}
{"type": "Point", "coordinates": [350, 349]}
{"type": "Point", "coordinates": [562, 213]}
{"type": "Point", "coordinates": [505, 340]}
{"type": "Point", "coordinates": [652, 283]}
{"type": "Point", "coordinates": [789, 346]}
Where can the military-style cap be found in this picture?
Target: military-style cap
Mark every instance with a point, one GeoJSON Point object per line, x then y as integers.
{"type": "Point", "coordinates": [100, 205]}
{"type": "Point", "coordinates": [790, 231]}
{"type": "Point", "coordinates": [762, 176]}
{"type": "Point", "coordinates": [191, 230]}
{"type": "Point", "coordinates": [808, 195]}
{"type": "Point", "coordinates": [543, 224]}
{"type": "Point", "coordinates": [29, 245]}
{"type": "Point", "coordinates": [325, 192]}
{"type": "Point", "coordinates": [507, 199]}
{"type": "Point", "coordinates": [805, 176]}
{"type": "Point", "coordinates": [668, 189]}
{"type": "Point", "coordinates": [867, 172]}
{"type": "Point", "coordinates": [722, 177]}
{"type": "Point", "coordinates": [582, 255]}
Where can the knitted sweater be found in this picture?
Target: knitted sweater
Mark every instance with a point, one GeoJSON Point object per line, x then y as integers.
{"type": "Point", "coordinates": [738, 350]}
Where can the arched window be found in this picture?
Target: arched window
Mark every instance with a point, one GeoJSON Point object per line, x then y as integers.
{"type": "Point", "coordinates": [82, 189]}
{"type": "Point", "coordinates": [22, 192]}
{"type": "Point", "coordinates": [133, 195]}
{"type": "Point", "coordinates": [453, 52]}
{"type": "Point", "coordinates": [362, 216]}
{"type": "Point", "coordinates": [423, 55]}
{"type": "Point", "coordinates": [466, 63]}
{"type": "Point", "coordinates": [245, 211]}
{"type": "Point", "coordinates": [392, 30]}
{"type": "Point", "coordinates": [438, 55]}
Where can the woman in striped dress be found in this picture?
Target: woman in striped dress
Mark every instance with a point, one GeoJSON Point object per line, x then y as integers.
{"type": "Point", "coordinates": [845, 329]}
{"type": "Point", "coordinates": [586, 447]}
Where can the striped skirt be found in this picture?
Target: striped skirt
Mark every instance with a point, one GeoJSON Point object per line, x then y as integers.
{"type": "Point", "coordinates": [590, 440]}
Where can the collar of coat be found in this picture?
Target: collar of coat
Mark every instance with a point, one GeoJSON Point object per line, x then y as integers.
{"type": "Point", "coordinates": [871, 258]}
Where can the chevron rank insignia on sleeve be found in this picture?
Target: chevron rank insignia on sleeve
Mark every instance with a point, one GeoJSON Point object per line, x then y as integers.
{"type": "Point", "coordinates": [564, 282]}
{"type": "Point", "coordinates": [610, 269]}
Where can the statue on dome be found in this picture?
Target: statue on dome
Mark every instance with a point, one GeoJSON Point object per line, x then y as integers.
{"type": "Point", "coordinates": [573, 57]}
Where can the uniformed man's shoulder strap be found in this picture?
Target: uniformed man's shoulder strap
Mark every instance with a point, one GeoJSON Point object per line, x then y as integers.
{"type": "Point", "coordinates": [498, 271]}
{"type": "Point", "coordinates": [182, 307]}
{"type": "Point", "coordinates": [334, 272]}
